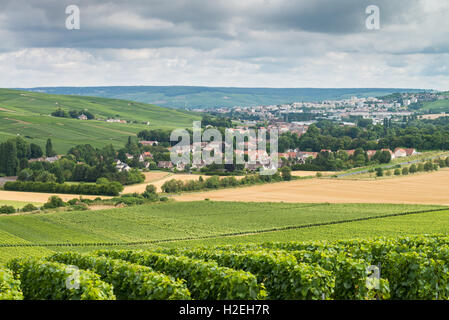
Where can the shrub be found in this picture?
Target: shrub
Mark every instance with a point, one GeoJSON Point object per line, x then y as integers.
{"type": "Point", "coordinates": [7, 210]}
{"type": "Point", "coordinates": [102, 181]}
{"type": "Point", "coordinates": [54, 202]}
{"type": "Point", "coordinates": [413, 275]}
{"type": "Point", "coordinates": [48, 281]}
{"type": "Point", "coordinates": [78, 207]}
{"type": "Point", "coordinates": [151, 193]}
{"type": "Point", "coordinates": [29, 207]}
{"type": "Point", "coordinates": [397, 172]}
{"type": "Point", "coordinates": [9, 287]}
{"type": "Point", "coordinates": [286, 173]}
{"type": "Point", "coordinates": [428, 166]}
{"type": "Point", "coordinates": [420, 167]}
{"type": "Point", "coordinates": [405, 171]}
{"type": "Point", "coordinates": [413, 168]}
{"type": "Point", "coordinates": [379, 172]}
{"type": "Point", "coordinates": [130, 281]}
{"type": "Point", "coordinates": [73, 201]}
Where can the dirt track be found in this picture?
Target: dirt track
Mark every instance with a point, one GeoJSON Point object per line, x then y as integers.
{"type": "Point", "coordinates": [428, 188]}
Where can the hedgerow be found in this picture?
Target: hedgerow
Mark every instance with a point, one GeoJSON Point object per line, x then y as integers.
{"type": "Point", "coordinates": [205, 280]}
{"type": "Point", "coordinates": [55, 281]}
{"type": "Point", "coordinates": [9, 286]}
{"type": "Point", "coordinates": [111, 189]}
{"type": "Point", "coordinates": [130, 281]}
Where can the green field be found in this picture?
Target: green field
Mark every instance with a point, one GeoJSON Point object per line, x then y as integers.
{"type": "Point", "coordinates": [436, 106]}
{"type": "Point", "coordinates": [207, 223]}
{"type": "Point", "coordinates": [17, 204]}
{"type": "Point", "coordinates": [28, 114]}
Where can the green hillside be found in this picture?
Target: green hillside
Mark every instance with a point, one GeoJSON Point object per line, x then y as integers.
{"type": "Point", "coordinates": [436, 106]}
{"type": "Point", "coordinates": [208, 223]}
{"type": "Point", "coordinates": [28, 114]}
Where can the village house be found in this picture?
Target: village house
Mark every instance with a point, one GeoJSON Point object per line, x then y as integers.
{"type": "Point", "coordinates": [410, 152]}
{"type": "Point", "coordinates": [400, 153]}
{"type": "Point", "coordinates": [82, 117]}
{"type": "Point", "coordinates": [200, 165]}
{"type": "Point", "coordinates": [149, 143]}
{"type": "Point", "coordinates": [165, 165]}
{"type": "Point", "coordinates": [47, 159]}
{"type": "Point", "coordinates": [121, 166]}
{"type": "Point", "coordinates": [371, 153]}
{"type": "Point", "coordinates": [181, 166]}
{"type": "Point", "coordinates": [147, 155]}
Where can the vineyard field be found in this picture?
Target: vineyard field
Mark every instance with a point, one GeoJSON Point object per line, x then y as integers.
{"type": "Point", "coordinates": [188, 224]}
{"type": "Point", "coordinates": [400, 268]}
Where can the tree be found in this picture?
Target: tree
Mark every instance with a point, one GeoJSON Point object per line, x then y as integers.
{"type": "Point", "coordinates": [397, 172]}
{"type": "Point", "coordinates": [25, 175]}
{"type": "Point", "coordinates": [49, 152]}
{"type": "Point", "coordinates": [379, 172]}
{"type": "Point", "coordinates": [151, 193]}
{"type": "Point", "coordinates": [102, 181]}
{"type": "Point", "coordinates": [405, 171]}
{"type": "Point", "coordinates": [382, 156]}
{"type": "Point", "coordinates": [11, 163]}
{"type": "Point", "coordinates": [286, 173]}
{"type": "Point", "coordinates": [428, 166]}
{"type": "Point", "coordinates": [45, 176]}
{"type": "Point", "coordinates": [54, 202]}
{"type": "Point", "coordinates": [413, 168]}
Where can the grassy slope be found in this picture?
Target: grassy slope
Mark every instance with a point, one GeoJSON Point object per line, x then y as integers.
{"type": "Point", "coordinates": [436, 106]}
{"type": "Point", "coordinates": [180, 220]}
{"type": "Point", "coordinates": [28, 114]}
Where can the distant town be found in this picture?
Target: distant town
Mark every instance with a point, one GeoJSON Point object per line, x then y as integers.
{"type": "Point", "coordinates": [393, 107]}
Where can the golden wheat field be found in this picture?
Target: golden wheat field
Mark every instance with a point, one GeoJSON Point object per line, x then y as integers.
{"type": "Point", "coordinates": [430, 188]}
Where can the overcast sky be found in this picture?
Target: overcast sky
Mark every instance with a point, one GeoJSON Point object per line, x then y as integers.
{"type": "Point", "coordinates": [243, 43]}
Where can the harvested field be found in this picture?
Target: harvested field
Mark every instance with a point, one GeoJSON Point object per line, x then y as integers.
{"type": "Point", "coordinates": [36, 197]}
{"type": "Point", "coordinates": [311, 173]}
{"type": "Point", "coordinates": [430, 188]}
{"type": "Point", "coordinates": [159, 178]}
{"type": "Point", "coordinates": [150, 178]}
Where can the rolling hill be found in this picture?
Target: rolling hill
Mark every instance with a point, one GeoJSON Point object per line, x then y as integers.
{"type": "Point", "coordinates": [212, 97]}
{"type": "Point", "coordinates": [28, 114]}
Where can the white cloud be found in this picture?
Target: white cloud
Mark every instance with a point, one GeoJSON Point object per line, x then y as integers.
{"type": "Point", "coordinates": [275, 43]}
